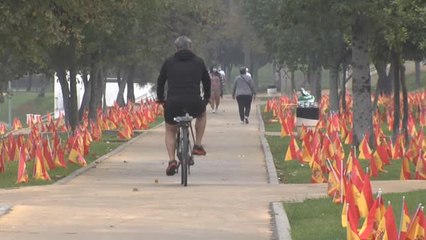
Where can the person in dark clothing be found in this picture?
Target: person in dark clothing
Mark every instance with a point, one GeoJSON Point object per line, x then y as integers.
{"type": "Point", "coordinates": [183, 72]}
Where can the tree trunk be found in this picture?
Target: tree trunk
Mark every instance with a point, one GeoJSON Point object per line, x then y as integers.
{"type": "Point", "coordinates": [293, 82]}
{"type": "Point", "coordinates": [94, 82]}
{"type": "Point", "coordinates": [387, 85]}
{"type": "Point", "coordinates": [334, 81]}
{"type": "Point", "coordinates": [30, 82]}
{"type": "Point", "coordinates": [382, 77]}
{"type": "Point", "coordinates": [102, 89]}
{"type": "Point", "coordinates": [361, 81]}
{"type": "Point", "coordinates": [314, 79]}
{"type": "Point", "coordinates": [131, 84]}
{"type": "Point", "coordinates": [396, 98]}
{"type": "Point", "coordinates": [121, 81]}
{"type": "Point", "coordinates": [418, 73]}
{"type": "Point", "coordinates": [255, 73]}
{"type": "Point", "coordinates": [73, 99]}
{"type": "Point", "coordinates": [229, 81]}
{"type": "Point", "coordinates": [84, 107]}
{"type": "Point", "coordinates": [405, 104]}
{"type": "Point", "coordinates": [62, 77]}
{"type": "Point", "coordinates": [343, 89]}
{"type": "Point", "coordinates": [277, 75]}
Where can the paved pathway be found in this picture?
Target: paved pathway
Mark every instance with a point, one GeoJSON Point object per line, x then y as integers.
{"type": "Point", "coordinates": [126, 195]}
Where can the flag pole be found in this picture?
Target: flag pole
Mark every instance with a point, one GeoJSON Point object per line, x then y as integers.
{"type": "Point", "coordinates": [402, 216]}
{"type": "Point", "coordinates": [331, 168]}
{"type": "Point", "coordinates": [415, 214]}
{"type": "Point", "coordinates": [341, 181]}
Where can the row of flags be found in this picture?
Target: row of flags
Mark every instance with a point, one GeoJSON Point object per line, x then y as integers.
{"type": "Point", "coordinates": [367, 218]}
{"type": "Point", "coordinates": [326, 141]}
{"type": "Point", "coordinates": [322, 148]}
{"type": "Point", "coordinates": [43, 145]}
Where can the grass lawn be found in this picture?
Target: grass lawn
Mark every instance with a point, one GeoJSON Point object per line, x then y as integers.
{"type": "Point", "coordinates": [23, 103]}
{"type": "Point", "coordinates": [271, 124]}
{"type": "Point", "coordinates": [323, 221]}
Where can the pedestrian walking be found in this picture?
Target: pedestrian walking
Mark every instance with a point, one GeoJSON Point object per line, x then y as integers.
{"type": "Point", "coordinates": [216, 89]}
{"type": "Point", "coordinates": [244, 92]}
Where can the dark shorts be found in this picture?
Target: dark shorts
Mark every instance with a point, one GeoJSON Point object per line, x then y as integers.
{"type": "Point", "coordinates": [176, 106]}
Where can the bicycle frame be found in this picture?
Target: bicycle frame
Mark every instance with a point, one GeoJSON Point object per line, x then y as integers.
{"type": "Point", "coordinates": [183, 145]}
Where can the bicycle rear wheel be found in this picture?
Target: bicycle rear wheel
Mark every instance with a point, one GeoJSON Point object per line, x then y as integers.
{"type": "Point", "coordinates": [185, 157]}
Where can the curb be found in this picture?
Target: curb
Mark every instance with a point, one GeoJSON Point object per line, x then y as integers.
{"type": "Point", "coordinates": [280, 222]}
{"type": "Point", "coordinates": [270, 166]}
{"type": "Point", "coordinates": [281, 225]}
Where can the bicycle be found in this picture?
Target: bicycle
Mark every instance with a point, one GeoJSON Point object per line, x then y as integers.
{"type": "Point", "coordinates": [184, 146]}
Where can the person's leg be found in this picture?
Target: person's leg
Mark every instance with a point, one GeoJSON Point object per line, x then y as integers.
{"type": "Point", "coordinates": [217, 101]}
{"type": "Point", "coordinates": [211, 102]}
{"type": "Point", "coordinates": [171, 110]}
{"type": "Point", "coordinates": [197, 109]}
{"type": "Point", "coordinates": [171, 131]}
{"type": "Point", "coordinates": [240, 101]}
{"type": "Point", "coordinates": [247, 102]}
{"type": "Point", "coordinates": [200, 127]}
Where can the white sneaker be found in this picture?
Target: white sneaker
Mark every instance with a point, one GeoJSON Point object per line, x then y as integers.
{"type": "Point", "coordinates": [213, 111]}
{"type": "Point", "coordinates": [241, 122]}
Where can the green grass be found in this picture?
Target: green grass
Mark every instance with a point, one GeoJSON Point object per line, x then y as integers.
{"type": "Point", "coordinates": [287, 171]}
{"type": "Point", "coordinates": [271, 123]}
{"type": "Point", "coordinates": [321, 219]}
{"type": "Point", "coordinates": [23, 103]}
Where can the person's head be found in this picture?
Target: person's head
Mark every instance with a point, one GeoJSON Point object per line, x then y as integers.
{"type": "Point", "coordinates": [243, 70]}
{"type": "Point", "coordinates": [214, 70]}
{"type": "Point", "coordinates": [247, 70]}
{"type": "Point", "coordinates": [183, 43]}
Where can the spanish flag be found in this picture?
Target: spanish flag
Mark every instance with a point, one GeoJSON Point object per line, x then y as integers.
{"type": "Point", "coordinates": [387, 226]}
{"type": "Point", "coordinates": [416, 230]}
{"type": "Point", "coordinates": [292, 150]}
{"type": "Point", "coordinates": [405, 219]}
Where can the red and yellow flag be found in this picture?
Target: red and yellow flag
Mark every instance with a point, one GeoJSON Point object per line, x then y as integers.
{"type": "Point", "coordinates": [39, 171]}
{"type": "Point", "coordinates": [387, 226]}
{"type": "Point", "coordinates": [364, 148]}
{"type": "Point", "coordinates": [352, 226]}
{"type": "Point", "coordinates": [405, 219]}
{"type": "Point", "coordinates": [365, 199]}
{"type": "Point", "coordinates": [416, 230]}
{"type": "Point", "coordinates": [369, 227]}
{"type": "Point", "coordinates": [22, 169]}
{"type": "Point", "coordinates": [421, 166]}
{"type": "Point", "coordinates": [292, 150]}
{"type": "Point", "coordinates": [405, 170]}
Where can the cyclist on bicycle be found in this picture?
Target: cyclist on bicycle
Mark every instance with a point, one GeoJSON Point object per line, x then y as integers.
{"type": "Point", "coordinates": [183, 73]}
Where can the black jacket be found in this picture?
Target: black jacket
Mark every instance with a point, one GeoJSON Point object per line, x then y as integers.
{"type": "Point", "coordinates": [183, 72]}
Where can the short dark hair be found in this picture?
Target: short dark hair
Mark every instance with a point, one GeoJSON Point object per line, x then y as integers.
{"type": "Point", "coordinates": [183, 42]}
{"type": "Point", "coordinates": [243, 70]}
